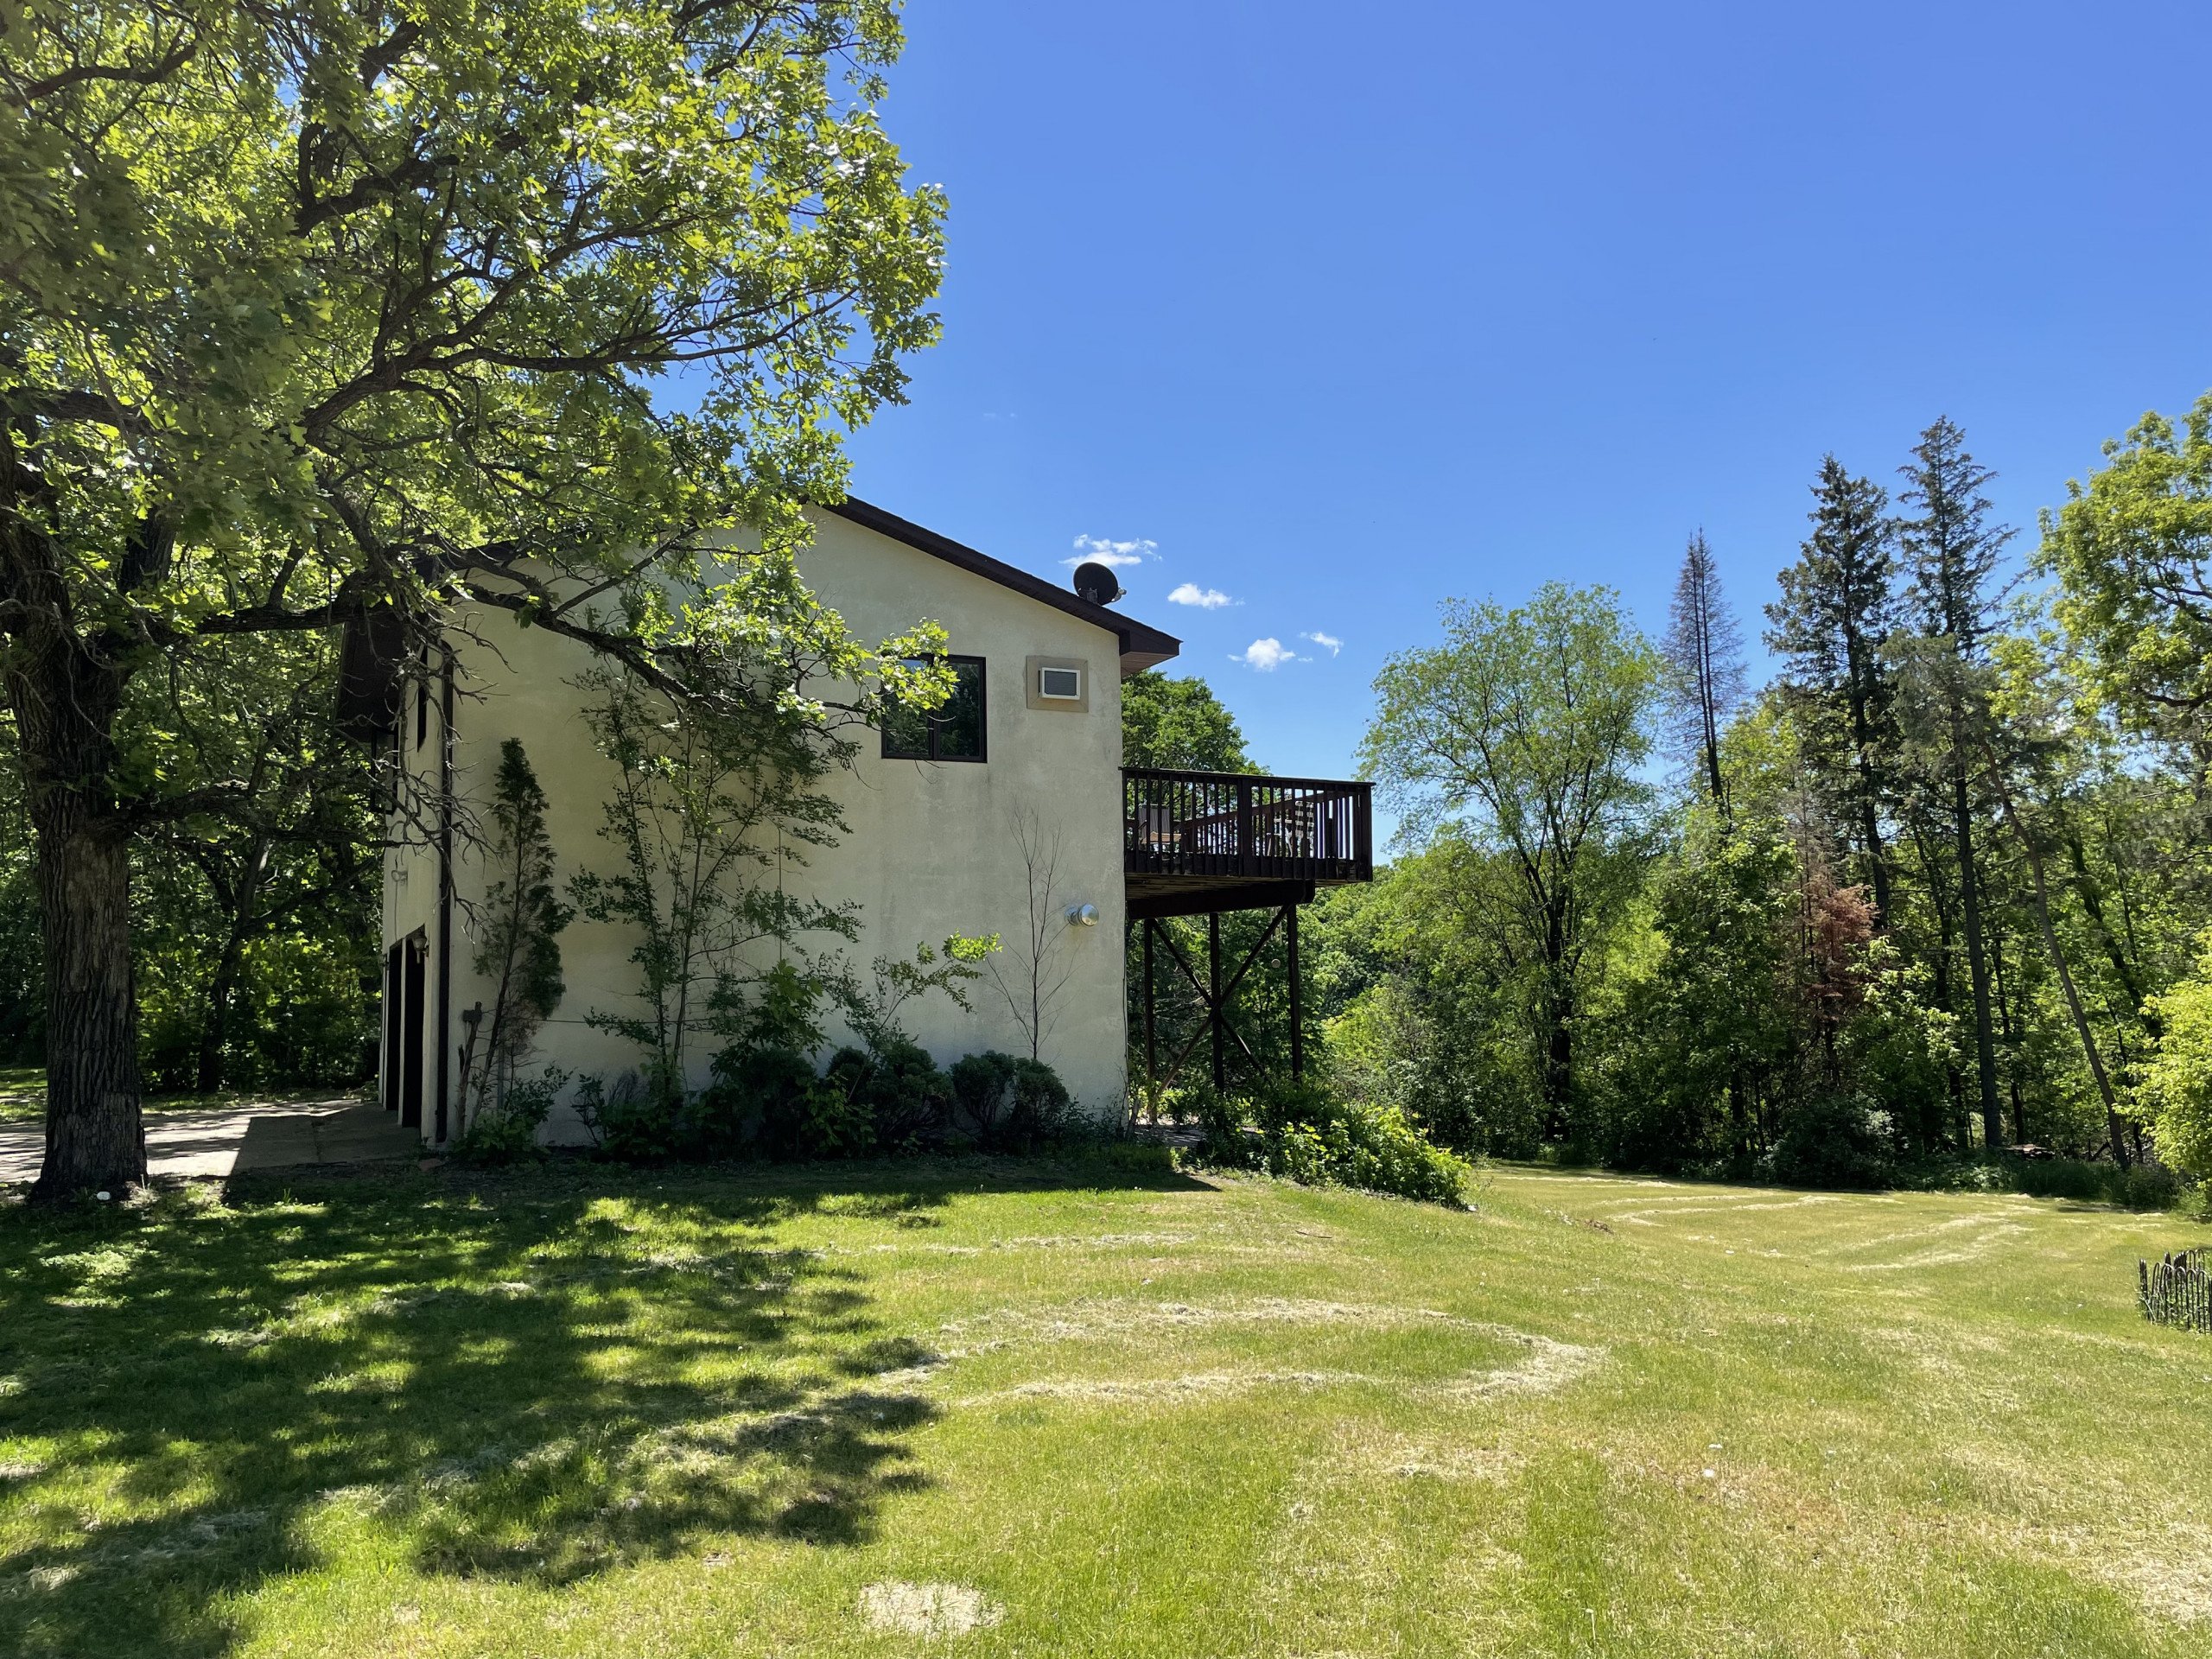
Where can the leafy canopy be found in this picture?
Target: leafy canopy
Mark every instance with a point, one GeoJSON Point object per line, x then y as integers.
{"type": "Point", "coordinates": [310, 303]}
{"type": "Point", "coordinates": [1179, 725]}
{"type": "Point", "coordinates": [2132, 552]}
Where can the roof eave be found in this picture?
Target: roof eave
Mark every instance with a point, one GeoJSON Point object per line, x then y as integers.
{"type": "Point", "coordinates": [1141, 646]}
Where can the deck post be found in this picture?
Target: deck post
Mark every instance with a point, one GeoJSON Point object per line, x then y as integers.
{"type": "Point", "coordinates": [1151, 1031]}
{"type": "Point", "coordinates": [1297, 1012]}
{"type": "Point", "coordinates": [1213, 996]}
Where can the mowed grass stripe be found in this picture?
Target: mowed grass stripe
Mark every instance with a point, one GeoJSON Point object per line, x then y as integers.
{"type": "Point", "coordinates": [582, 1410]}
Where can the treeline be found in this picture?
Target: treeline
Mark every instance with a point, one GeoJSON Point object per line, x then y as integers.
{"type": "Point", "coordinates": [255, 854]}
{"type": "Point", "coordinates": [1941, 888]}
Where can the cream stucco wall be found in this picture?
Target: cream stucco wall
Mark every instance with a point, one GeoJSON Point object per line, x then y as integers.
{"type": "Point", "coordinates": [928, 849]}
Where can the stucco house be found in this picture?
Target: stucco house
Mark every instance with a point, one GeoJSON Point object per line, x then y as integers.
{"type": "Point", "coordinates": [934, 813]}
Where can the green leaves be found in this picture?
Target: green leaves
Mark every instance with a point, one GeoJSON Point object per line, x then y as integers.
{"type": "Point", "coordinates": [2132, 553]}
{"type": "Point", "coordinates": [1181, 725]}
{"type": "Point", "coordinates": [1523, 733]}
{"type": "Point", "coordinates": [1526, 724]}
{"type": "Point", "coordinates": [334, 291]}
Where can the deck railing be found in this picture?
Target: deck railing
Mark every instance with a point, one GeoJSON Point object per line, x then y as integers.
{"type": "Point", "coordinates": [1221, 824]}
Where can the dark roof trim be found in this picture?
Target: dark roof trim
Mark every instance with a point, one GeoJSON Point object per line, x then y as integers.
{"type": "Point", "coordinates": [1141, 646]}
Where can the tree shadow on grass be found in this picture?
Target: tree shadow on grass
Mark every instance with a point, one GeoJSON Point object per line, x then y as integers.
{"type": "Point", "coordinates": [537, 1377]}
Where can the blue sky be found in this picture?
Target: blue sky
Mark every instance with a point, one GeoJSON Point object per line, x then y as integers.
{"type": "Point", "coordinates": [1338, 311]}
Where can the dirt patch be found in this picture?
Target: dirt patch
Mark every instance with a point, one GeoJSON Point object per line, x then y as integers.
{"type": "Point", "coordinates": [931, 1610]}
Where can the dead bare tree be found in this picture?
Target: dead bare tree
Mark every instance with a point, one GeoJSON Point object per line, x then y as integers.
{"type": "Point", "coordinates": [1706, 653]}
{"type": "Point", "coordinates": [1032, 970]}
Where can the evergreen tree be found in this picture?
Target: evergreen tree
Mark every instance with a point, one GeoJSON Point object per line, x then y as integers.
{"type": "Point", "coordinates": [1705, 653]}
{"type": "Point", "coordinates": [1837, 607]}
{"type": "Point", "coordinates": [1951, 551]}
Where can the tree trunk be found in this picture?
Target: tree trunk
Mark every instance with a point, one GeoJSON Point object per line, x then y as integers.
{"type": "Point", "coordinates": [65, 690]}
{"type": "Point", "coordinates": [1558, 1078]}
{"type": "Point", "coordinates": [94, 1137]}
{"type": "Point", "coordinates": [1559, 1072]}
{"type": "Point", "coordinates": [1940, 968]}
{"type": "Point", "coordinates": [2066, 983]}
{"type": "Point", "coordinates": [2009, 1029]}
{"type": "Point", "coordinates": [2086, 887]}
{"type": "Point", "coordinates": [1985, 1041]}
{"type": "Point", "coordinates": [1858, 673]}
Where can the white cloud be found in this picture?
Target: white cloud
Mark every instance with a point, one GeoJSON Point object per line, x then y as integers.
{"type": "Point", "coordinates": [1328, 641]}
{"type": "Point", "coordinates": [1206, 598]}
{"type": "Point", "coordinates": [1097, 550]}
{"type": "Point", "coordinates": [1265, 655]}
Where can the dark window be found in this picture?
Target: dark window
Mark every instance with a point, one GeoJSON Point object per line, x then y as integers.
{"type": "Point", "coordinates": [422, 711]}
{"type": "Point", "coordinates": [951, 731]}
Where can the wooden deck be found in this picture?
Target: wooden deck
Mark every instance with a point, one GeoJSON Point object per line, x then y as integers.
{"type": "Point", "coordinates": [1195, 842]}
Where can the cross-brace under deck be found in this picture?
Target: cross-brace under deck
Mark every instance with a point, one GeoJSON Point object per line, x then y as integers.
{"type": "Point", "coordinates": [1214, 997]}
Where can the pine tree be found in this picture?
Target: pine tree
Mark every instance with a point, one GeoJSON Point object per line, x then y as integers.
{"type": "Point", "coordinates": [1837, 607]}
{"type": "Point", "coordinates": [1705, 652]}
{"type": "Point", "coordinates": [1951, 551]}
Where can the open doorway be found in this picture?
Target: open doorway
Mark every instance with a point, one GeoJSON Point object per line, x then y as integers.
{"type": "Point", "coordinates": [413, 965]}
{"type": "Point", "coordinates": [395, 999]}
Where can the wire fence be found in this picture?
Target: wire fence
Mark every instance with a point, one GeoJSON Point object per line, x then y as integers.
{"type": "Point", "coordinates": [2177, 1289]}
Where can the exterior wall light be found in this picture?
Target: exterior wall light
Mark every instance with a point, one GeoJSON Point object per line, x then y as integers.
{"type": "Point", "coordinates": [1083, 915]}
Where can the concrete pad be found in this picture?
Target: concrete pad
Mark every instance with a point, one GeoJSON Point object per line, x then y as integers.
{"type": "Point", "coordinates": [277, 1134]}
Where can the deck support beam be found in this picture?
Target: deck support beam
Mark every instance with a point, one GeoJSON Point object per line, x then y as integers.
{"type": "Point", "coordinates": [1213, 997]}
{"type": "Point", "coordinates": [1151, 1029]}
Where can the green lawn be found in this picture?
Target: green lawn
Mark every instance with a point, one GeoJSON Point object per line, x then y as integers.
{"type": "Point", "coordinates": [22, 1093]}
{"type": "Point", "coordinates": [23, 1097]}
{"type": "Point", "coordinates": [849, 1411]}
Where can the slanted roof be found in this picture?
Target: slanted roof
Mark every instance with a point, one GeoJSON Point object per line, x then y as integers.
{"type": "Point", "coordinates": [1141, 646]}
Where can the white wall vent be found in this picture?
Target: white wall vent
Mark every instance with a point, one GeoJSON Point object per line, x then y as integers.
{"type": "Point", "coordinates": [1061, 684]}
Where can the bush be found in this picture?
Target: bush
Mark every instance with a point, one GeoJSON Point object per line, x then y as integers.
{"type": "Point", "coordinates": [886, 1096]}
{"type": "Point", "coordinates": [982, 1094]}
{"type": "Point", "coordinates": [1008, 1104]}
{"type": "Point", "coordinates": [2142, 1186]}
{"type": "Point", "coordinates": [1375, 1148]}
{"type": "Point", "coordinates": [765, 1097]}
{"type": "Point", "coordinates": [768, 1100]}
{"type": "Point", "coordinates": [1306, 1134]}
{"type": "Point", "coordinates": [897, 1100]}
{"type": "Point", "coordinates": [628, 1120]}
{"type": "Point", "coordinates": [1831, 1141]}
{"type": "Point", "coordinates": [2177, 1091]}
{"type": "Point", "coordinates": [506, 1132]}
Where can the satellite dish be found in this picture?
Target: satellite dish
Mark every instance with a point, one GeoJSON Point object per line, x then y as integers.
{"type": "Point", "coordinates": [1097, 583]}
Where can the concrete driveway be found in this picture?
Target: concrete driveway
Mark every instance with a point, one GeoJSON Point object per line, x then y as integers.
{"type": "Point", "coordinates": [268, 1134]}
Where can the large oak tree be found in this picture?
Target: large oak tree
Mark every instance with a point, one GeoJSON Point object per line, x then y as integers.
{"type": "Point", "coordinates": [313, 307]}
